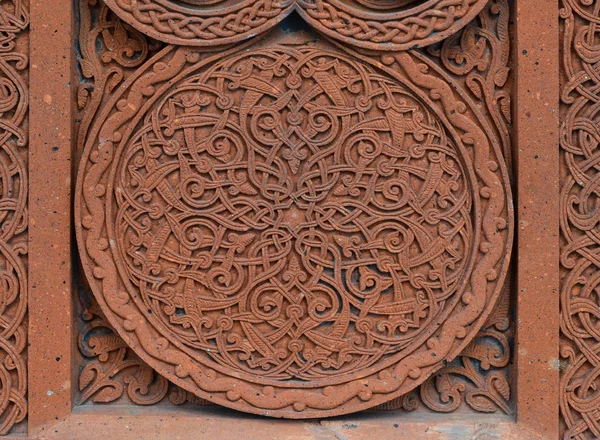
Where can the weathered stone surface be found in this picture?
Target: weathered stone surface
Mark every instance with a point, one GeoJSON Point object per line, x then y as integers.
{"type": "Point", "coordinates": [379, 25]}
{"type": "Point", "coordinates": [292, 228]}
{"type": "Point", "coordinates": [300, 209]}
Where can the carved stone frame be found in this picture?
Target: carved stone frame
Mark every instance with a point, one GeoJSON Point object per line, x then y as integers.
{"type": "Point", "coordinates": [52, 341]}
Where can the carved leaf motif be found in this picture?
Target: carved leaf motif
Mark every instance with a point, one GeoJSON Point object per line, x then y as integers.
{"type": "Point", "coordinates": [480, 53]}
{"type": "Point", "coordinates": [109, 393]}
{"type": "Point", "coordinates": [501, 76]}
{"type": "Point", "coordinates": [481, 47]}
{"type": "Point", "coordinates": [117, 40]}
{"type": "Point", "coordinates": [86, 376]}
{"type": "Point", "coordinates": [86, 68]}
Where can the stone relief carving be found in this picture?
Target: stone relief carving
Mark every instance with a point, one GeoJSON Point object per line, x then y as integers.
{"type": "Point", "coordinates": [272, 186]}
{"type": "Point", "coordinates": [14, 99]}
{"type": "Point", "coordinates": [580, 352]}
{"type": "Point", "coordinates": [389, 25]}
{"type": "Point", "coordinates": [379, 25]}
{"type": "Point", "coordinates": [112, 372]}
{"type": "Point", "coordinates": [478, 56]}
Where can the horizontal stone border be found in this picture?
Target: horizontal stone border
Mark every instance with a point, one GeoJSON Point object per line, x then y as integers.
{"type": "Point", "coordinates": [415, 25]}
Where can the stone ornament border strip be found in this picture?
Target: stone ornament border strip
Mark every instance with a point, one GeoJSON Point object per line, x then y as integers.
{"type": "Point", "coordinates": [171, 22]}
{"type": "Point", "coordinates": [414, 25]}
{"type": "Point", "coordinates": [396, 26]}
{"type": "Point", "coordinates": [580, 353]}
{"type": "Point", "coordinates": [14, 212]}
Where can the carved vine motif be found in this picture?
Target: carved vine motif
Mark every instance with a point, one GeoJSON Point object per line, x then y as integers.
{"type": "Point", "coordinates": [478, 56]}
{"type": "Point", "coordinates": [292, 236]}
{"type": "Point", "coordinates": [111, 370]}
{"type": "Point", "coordinates": [14, 20]}
{"type": "Point", "coordinates": [153, 389]}
{"type": "Point", "coordinates": [381, 25]}
{"type": "Point", "coordinates": [109, 51]}
{"type": "Point", "coordinates": [579, 140]}
{"type": "Point", "coordinates": [153, 145]}
{"type": "Point", "coordinates": [478, 378]}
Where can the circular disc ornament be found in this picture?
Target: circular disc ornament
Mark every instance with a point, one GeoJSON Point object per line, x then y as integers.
{"type": "Point", "coordinates": [291, 230]}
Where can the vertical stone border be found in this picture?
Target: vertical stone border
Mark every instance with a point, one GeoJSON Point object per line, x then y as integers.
{"type": "Point", "coordinates": [50, 257]}
{"type": "Point", "coordinates": [14, 92]}
{"type": "Point", "coordinates": [536, 171]}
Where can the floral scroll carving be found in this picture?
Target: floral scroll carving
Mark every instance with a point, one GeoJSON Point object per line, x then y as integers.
{"type": "Point", "coordinates": [304, 196]}
{"type": "Point", "coordinates": [477, 378]}
{"type": "Point", "coordinates": [272, 209]}
{"type": "Point", "coordinates": [478, 56]}
{"type": "Point", "coordinates": [579, 399]}
{"type": "Point", "coordinates": [112, 371]}
{"type": "Point", "coordinates": [13, 213]}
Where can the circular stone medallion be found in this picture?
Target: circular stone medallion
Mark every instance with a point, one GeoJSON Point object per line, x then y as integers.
{"type": "Point", "coordinates": [289, 231]}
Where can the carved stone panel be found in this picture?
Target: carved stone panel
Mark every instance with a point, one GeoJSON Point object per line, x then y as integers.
{"type": "Point", "coordinates": [299, 209]}
{"type": "Point", "coordinates": [14, 99]}
{"type": "Point", "coordinates": [580, 349]}
{"type": "Point", "coordinates": [373, 24]}
{"type": "Point", "coordinates": [292, 226]}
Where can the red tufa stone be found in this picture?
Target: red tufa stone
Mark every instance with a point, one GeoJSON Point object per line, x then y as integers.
{"type": "Point", "coordinates": [290, 228]}
{"type": "Point", "coordinates": [377, 25]}
{"type": "Point", "coordinates": [352, 34]}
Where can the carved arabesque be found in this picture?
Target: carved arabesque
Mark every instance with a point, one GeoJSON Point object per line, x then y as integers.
{"type": "Point", "coordinates": [304, 196]}
{"type": "Point", "coordinates": [485, 92]}
{"type": "Point", "coordinates": [478, 56]}
{"type": "Point", "coordinates": [580, 247]}
{"type": "Point", "coordinates": [113, 372]}
{"type": "Point", "coordinates": [14, 20]}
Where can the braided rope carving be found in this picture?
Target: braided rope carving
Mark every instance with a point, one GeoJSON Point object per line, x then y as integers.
{"type": "Point", "coordinates": [580, 340]}
{"type": "Point", "coordinates": [391, 28]}
{"type": "Point", "coordinates": [13, 215]}
{"type": "Point", "coordinates": [163, 20]}
{"type": "Point", "coordinates": [417, 29]}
